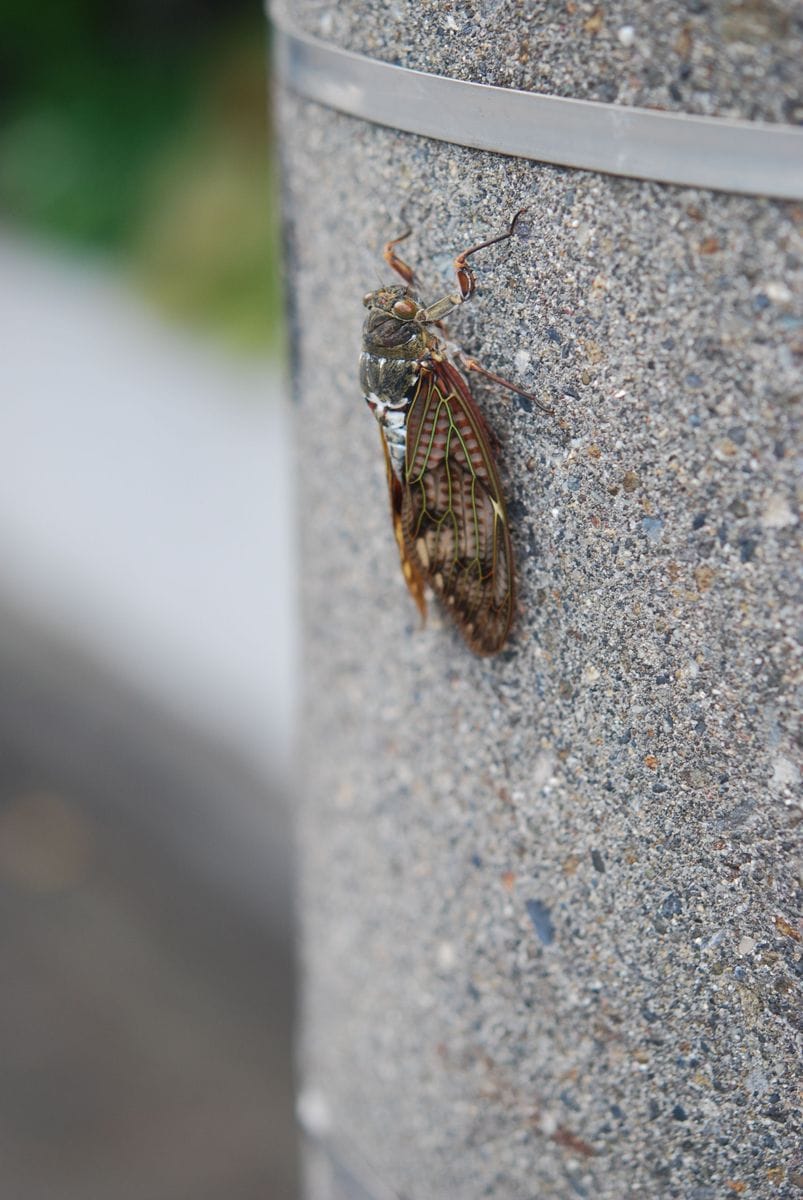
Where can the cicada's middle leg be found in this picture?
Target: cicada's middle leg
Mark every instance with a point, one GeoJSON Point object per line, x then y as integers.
{"type": "Point", "coordinates": [471, 364]}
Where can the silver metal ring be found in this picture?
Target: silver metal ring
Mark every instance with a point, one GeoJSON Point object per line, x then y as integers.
{"type": "Point", "coordinates": [749, 157]}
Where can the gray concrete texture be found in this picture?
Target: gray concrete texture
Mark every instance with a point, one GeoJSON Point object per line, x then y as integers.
{"type": "Point", "coordinates": [550, 900]}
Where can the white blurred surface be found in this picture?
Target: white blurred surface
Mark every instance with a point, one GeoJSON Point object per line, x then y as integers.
{"type": "Point", "coordinates": [145, 498]}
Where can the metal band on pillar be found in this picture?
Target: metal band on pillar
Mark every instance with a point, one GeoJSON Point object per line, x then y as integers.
{"type": "Point", "coordinates": [748, 157]}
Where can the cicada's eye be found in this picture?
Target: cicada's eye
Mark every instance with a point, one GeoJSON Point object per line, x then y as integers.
{"type": "Point", "coordinates": [367, 298]}
{"type": "Point", "coordinates": [406, 309]}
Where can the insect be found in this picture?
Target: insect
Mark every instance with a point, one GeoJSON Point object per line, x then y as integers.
{"type": "Point", "coordinates": [446, 501]}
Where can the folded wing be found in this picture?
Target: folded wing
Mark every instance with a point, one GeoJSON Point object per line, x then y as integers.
{"type": "Point", "coordinates": [452, 524]}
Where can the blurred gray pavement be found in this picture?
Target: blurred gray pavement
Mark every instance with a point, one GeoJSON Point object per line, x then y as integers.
{"type": "Point", "coordinates": [146, 648]}
{"type": "Point", "coordinates": [144, 494]}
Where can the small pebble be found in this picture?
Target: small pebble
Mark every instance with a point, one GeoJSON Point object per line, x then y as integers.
{"type": "Point", "coordinates": [652, 526]}
{"type": "Point", "coordinates": [777, 292]}
{"type": "Point", "coordinates": [777, 513]}
{"type": "Point", "coordinates": [541, 918]}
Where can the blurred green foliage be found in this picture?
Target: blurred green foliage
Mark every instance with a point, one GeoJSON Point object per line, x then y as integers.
{"type": "Point", "coordinates": [139, 130]}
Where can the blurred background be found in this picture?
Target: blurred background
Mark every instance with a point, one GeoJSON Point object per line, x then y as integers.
{"type": "Point", "coordinates": [147, 635]}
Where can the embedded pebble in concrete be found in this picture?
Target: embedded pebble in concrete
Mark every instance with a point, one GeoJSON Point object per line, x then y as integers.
{"type": "Point", "coordinates": [624, 776]}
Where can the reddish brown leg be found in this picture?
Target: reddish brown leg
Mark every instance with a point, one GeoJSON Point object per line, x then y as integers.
{"type": "Point", "coordinates": [471, 364]}
{"type": "Point", "coordinates": [465, 276]}
{"type": "Point", "coordinates": [392, 259]}
{"type": "Point", "coordinates": [466, 281]}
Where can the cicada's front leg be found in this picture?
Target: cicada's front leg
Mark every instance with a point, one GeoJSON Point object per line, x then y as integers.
{"type": "Point", "coordinates": [399, 265]}
{"type": "Point", "coordinates": [466, 279]}
{"type": "Point", "coordinates": [467, 284]}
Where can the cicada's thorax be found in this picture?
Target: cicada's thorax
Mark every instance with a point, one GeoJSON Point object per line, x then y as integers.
{"type": "Point", "coordinates": [393, 349]}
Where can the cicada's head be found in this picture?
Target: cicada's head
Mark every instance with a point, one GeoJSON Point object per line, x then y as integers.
{"type": "Point", "coordinates": [391, 327]}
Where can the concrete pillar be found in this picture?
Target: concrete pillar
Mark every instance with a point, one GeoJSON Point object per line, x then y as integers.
{"type": "Point", "coordinates": [549, 942]}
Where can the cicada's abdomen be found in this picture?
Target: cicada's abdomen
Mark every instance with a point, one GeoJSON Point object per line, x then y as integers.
{"type": "Point", "coordinates": [390, 410]}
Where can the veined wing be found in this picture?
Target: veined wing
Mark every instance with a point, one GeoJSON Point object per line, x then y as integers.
{"type": "Point", "coordinates": [453, 519]}
{"type": "Point", "coordinates": [409, 565]}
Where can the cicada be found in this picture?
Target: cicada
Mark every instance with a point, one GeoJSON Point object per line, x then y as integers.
{"type": "Point", "coordinates": [446, 501]}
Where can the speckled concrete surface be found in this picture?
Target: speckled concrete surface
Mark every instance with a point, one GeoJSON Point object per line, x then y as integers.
{"type": "Point", "coordinates": [550, 899]}
{"type": "Point", "coordinates": [739, 58]}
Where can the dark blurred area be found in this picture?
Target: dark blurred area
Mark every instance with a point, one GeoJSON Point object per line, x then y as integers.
{"type": "Point", "coordinates": [146, 1002]}
{"type": "Point", "coordinates": [146, 615]}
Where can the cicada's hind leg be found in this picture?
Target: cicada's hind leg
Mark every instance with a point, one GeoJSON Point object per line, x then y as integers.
{"type": "Point", "coordinates": [399, 265]}
{"type": "Point", "coordinates": [466, 279]}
